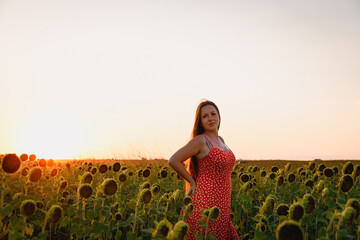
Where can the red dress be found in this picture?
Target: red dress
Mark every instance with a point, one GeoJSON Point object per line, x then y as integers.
{"type": "Point", "coordinates": [213, 188]}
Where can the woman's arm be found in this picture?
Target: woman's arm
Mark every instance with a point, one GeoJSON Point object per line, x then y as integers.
{"type": "Point", "coordinates": [192, 148]}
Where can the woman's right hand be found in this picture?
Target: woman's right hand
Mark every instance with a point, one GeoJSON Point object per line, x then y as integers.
{"type": "Point", "coordinates": [191, 190]}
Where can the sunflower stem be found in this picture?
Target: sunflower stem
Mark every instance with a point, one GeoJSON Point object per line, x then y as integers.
{"type": "Point", "coordinates": [136, 209]}
{"type": "Point", "coordinates": [207, 226]}
{"type": "Point", "coordinates": [2, 191]}
{"type": "Point", "coordinates": [44, 225]}
{"type": "Point", "coordinates": [84, 208]}
{"type": "Point", "coordinates": [23, 229]}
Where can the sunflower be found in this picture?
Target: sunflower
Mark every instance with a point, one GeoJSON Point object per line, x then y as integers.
{"type": "Point", "coordinates": [122, 177]}
{"type": "Point", "coordinates": [291, 177]}
{"type": "Point", "coordinates": [308, 203]}
{"type": "Point", "coordinates": [103, 168]}
{"type": "Point", "coordinates": [85, 190]}
{"type": "Point", "coordinates": [348, 217]}
{"type": "Point", "coordinates": [155, 189]}
{"type": "Point", "coordinates": [146, 173]}
{"type": "Point", "coordinates": [260, 226]}
{"type": "Point", "coordinates": [10, 163]}
{"type": "Point", "coordinates": [244, 178]}
{"type": "Point", "coordinates": [28, 208]}
{"type": "Point", "coordinates": [145, 185]}
{"type": "Point", "coordinates": [54, 215]}
{"type": "Point", "coordinates": [87, 178]}
{"type": "Point", "coordinates": [162, 229]}
{"type": "Point", "coordinates": [189, 208]}
{"type": "Point", "coordinates": [145, 196]}
{"type": "Point", "coordinates": [296, 211]}
{"type": "Point", "coordinates": [311, 166]}
{"type": "Point", "coordinates": [354, 203]}
{"type": "Point", "coordinates": [24, 157]}
{"type": "Point", "coordinates": [309, 183]}
{"type": "Point", "coordinates": [274, 169]}
{"type": "Point", "coordinates": [214, 213]}
{"type": "Point", "coordinates": [116, 166]}
{"type": "Point", "coordinates": [289, 230]}
{"type": "Point", "coordinates": [179, 232]}
{"type": "Point", "coordinates": [35, 174]}
{"type": "Point", "coordinates": [187, 200]}
{"type": "Point", "coordinates": [109, 186]}
{"type": "Point", "coordinates": [346, 183]}
{"type": "Point", "coordinates": [282, 210]}
{"type": "Point", "coordinates": [268, 205]}
{"type": "Point", "coordinates": [279, 181]}
{"type": "Point", "coordinates": [348, 168]}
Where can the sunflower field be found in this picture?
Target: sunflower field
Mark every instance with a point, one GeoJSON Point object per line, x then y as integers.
{"type": "Point", "coordinates": [116, 199]}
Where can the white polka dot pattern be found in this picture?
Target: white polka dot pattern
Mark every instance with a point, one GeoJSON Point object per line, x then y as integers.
{"type": "Point", "coordinates": [213, 188]}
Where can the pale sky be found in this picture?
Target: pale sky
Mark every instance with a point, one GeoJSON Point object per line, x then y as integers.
{"type": "Point", "coordinates": [122, 79]}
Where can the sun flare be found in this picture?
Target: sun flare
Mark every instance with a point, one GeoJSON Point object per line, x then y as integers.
{"type": "Point", "coordinates": [50, 136]}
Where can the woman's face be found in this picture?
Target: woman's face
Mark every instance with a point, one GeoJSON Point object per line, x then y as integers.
{"type": "Point", "coordinates": [209, 118]}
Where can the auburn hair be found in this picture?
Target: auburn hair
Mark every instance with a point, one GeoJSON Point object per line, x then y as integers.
{"type": "Point", "coordinates": [198, 129]}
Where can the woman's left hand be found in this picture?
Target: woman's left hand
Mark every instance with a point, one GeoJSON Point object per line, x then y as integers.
{"type": "Point", "coordinates": [192, 190]}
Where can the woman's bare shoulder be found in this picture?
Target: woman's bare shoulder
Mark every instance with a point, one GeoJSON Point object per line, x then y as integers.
{"type": "Point", "coordinates": [204, 148]}
{"type": "Point", "coordinates": [199, 139]}
{"type": "Point", "coordinates": [192, 148]}
{"type": "Point", "coordinates": [198, 142]}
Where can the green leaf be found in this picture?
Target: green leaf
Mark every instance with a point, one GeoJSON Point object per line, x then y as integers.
{"type": "Point", "coordinates": [16, 222]}
{"type": "Point", "coordinates": [322, 231]}
{"type": "Point", "coordinates": [98, 208]}
{"type": "Point", "coordinates": [200, 238]}
{"type": "Point", "coordinates": [345, 233]}
{"type": "Point", "coordinates": [342, 201]}
{"type": "Point", "coordinates": [211, 237]}
{"type": "Point", "coordinates": [131, 218]}
{"type": "Point", "coordinates": [65, 221]}
{"type": "Point", "coordinates": [80, 233]}
{"type": "Point", "coordinates": [75, 226]}
{"type": "Point", "coordinates": [322, 220]}
{"type": "Point", "coordinates": [14, 235]}
{"type": "Point", "coordinates": [146, 231]}
{"type": "Point", "coordinates": [5, 211]}
{"type": "Point", "coordinates": [3, 234]}
{"type": "Point", "coordinates": [329, 215]}
{"type": "Point", "coordinates": [106, 214]}
{"type": "Point", "coordinates": [43, 235]}
{"type": "Point", "coordinates": [202, 224]}
{"type": "Point", "coordinates": [259, 235]}
{"type": "Point", "coordinates": [131, 236]}
{"type": "Point", "coordinates": [37, 222]}
{"type": "Point", "coordinates": [118, 234]}
{"type": "Point", "coordinates": [98, 227]}
{"type": "Point", "coordinates": [91, 214]}
{"type": "Point", "coordinates": [71, 211]}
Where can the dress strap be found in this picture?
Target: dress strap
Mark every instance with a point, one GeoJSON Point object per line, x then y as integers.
{"type": "Point", "coordinates": [224, 143]}
{"type": "Point", "coordinates": [208, 143]}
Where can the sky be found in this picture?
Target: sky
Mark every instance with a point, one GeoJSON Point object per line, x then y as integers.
{"type": "Point", "coordinates": [122, 79]}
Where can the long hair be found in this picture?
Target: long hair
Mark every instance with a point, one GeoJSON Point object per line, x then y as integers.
{"type": "Point", "coordinates": [197, 130]}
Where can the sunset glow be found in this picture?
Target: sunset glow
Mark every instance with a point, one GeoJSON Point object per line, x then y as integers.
{"type": "Point", "coordinates": [122, 79]}
{"type": "Point", "coordinates": [49, 136]}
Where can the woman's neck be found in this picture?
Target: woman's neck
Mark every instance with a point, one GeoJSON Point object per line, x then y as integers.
{"type": "Point", "coordinates": [212, 134]}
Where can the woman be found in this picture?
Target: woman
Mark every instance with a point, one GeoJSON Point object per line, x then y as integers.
{"type": "Point", "coordinates": [209, 176]}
